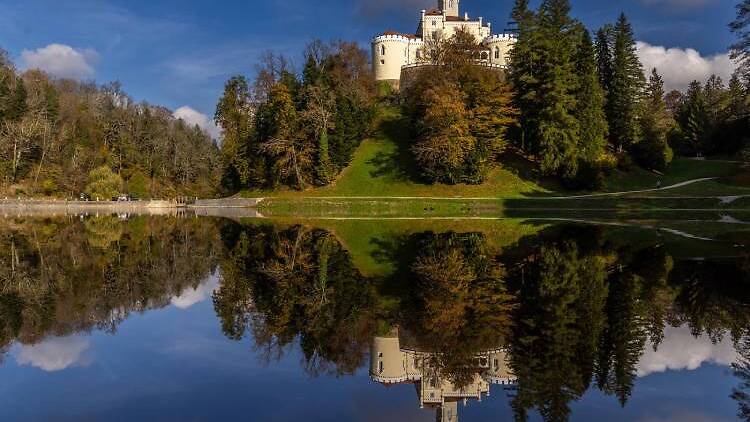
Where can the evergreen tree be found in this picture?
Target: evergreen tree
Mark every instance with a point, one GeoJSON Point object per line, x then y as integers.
{"type": "Point", "coordinates": [693, 120]}
{"type": "Point", "coordinates": [604, 56]}
{"type": "Point", "coordinates": [741, 27]}
{"type": "Point", "coordinates": [558, 128]}
{"type": "Point", "coordinates": [234, 114]}
{"type": "Point", "coordinates": [524, 61]}
{"type": "Point", "coordinates": [590, 105]}
{"type": "Point", "coordinates": [653, 152]}
{"type": "Point", "coordinates": [625, 91]}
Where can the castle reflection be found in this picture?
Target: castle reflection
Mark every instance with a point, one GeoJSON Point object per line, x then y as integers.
{"type": "Point", "coordinates": [392, 363]}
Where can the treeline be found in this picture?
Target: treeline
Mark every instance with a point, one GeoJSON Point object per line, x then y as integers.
{"type": "Point", "coordinates": [296, 129]}
{"type": "Point", "coordinates": [711, 118]}
{"type": "Point", "coordinates": [62, 137]}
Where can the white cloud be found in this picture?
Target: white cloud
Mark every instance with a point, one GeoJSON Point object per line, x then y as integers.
{"type": "Point", "coordinates": [681, 351]}
{"type": "Point", "coordinates": [679, 66]}
{"type": "Point", "coordinates": [54, 354]}
{"type": "Point", "coordinates": [192, 296]}
{"type": "Point", "coordinates": [194, 117]}
{"type": "Point", "coordinates": [61, 60]}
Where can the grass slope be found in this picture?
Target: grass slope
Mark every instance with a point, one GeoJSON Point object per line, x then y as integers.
{"type": "Point", "coordinates": [382, 167]}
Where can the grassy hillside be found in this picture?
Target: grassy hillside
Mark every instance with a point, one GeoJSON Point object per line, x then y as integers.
{"type": "Point", "coordinates": [382, 167]}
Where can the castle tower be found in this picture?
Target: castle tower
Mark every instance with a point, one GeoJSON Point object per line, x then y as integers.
{"type": "Point", "coordinates": [450, 7]}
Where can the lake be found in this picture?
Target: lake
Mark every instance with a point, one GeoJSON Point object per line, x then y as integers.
{"type": "Point", "coordinates": [188, 318]}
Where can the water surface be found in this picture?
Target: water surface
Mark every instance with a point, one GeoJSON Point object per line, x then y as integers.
{"type": "Point", "coordinates": [185, 318]}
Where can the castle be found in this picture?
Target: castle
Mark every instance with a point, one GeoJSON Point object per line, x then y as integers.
{"type": "Point", "coordinates": [392, 363]}
{"type": "Point", "coordinates": [393, 52]}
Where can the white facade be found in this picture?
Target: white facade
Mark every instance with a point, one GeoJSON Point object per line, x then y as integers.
{"type": "Point", "coordinates": [392, 51]}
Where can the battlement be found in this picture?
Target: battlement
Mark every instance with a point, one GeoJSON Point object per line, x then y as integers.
{"type": "Point", "coordinates": [501, 37]}
{"type": "Point", "coordinates": [397, 37]}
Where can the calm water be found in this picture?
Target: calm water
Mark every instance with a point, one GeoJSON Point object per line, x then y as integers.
{"type": "Point", "coordinates": [181, 319]}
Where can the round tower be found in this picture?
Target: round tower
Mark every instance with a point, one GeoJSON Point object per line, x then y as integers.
{"type": "Point", "coordinates": [500, 46]}
{"type": "Point", "coordinates": [390, 52]}
{"type": "Point", "coordinates": [387, 361]}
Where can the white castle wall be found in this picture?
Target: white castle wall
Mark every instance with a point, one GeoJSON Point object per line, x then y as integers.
{"type": "Point", "coordinates": [391, 52]}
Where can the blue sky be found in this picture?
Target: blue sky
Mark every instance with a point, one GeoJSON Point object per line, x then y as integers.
{"type": "Point", "coordinates": [179, 53]}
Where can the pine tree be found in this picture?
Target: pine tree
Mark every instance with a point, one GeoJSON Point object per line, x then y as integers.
{"type": "Point", "coordinates": [558, 128]}
{"type": "Point", "coordinates": [741, 27]}
{"type": "Point", "coordinates": [524, 60]}
{"type": "Point", "coordinates": [604, 56]}
{"type": "Point", "coordinates": [653, 152]}
{"type": "Point", "coordinates": [590, 104]}
{"type": "Point", "coordinates": [693, 119]}
{"type": "Point", "coordinates": [625, 92]}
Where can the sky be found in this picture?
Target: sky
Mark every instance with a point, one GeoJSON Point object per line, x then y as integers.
{"type": "Point", "coordinates": [180, 53]}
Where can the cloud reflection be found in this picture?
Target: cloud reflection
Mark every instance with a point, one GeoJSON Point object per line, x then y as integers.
{"type": "Point", "coordinates": [680, 350]}
{"type": "Point", "coordinates": [54, 354]}
{"type": "Point", "coordinates": [192, 296]}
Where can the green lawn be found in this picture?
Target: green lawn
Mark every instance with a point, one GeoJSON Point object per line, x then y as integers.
{"type": "Point", "coordinates": [381, 167]}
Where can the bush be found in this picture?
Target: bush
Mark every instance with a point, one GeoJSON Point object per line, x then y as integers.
{"type": "Point", "coordinates": [138, 186]}
{"type": "Point", "coordinates": [103, 184]}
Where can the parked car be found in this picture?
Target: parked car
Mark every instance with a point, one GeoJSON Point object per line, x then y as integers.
{"type": "Point", "coordinates": [84, 197]}
{"type": "Point", "coordinates": [122, 198]}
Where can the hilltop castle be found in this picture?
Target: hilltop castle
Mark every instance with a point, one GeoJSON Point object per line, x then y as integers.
{"type": "Point", "coordinates": [393, 52]}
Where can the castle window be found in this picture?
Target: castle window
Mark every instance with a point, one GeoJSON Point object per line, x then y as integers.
{"type": "Point", "coordinates": [434, 23]}
{"type": "Point", "coordinates": [382, 50]}
{"type": "Point", "coordinates": [380, 367]}
{"type": "Point", "coordinates": [419, 54]}
{"type": "Point", "coordinates": [382, 62]}
{"type": "Point", "coordinates": [497, 52]}
{"type": "Point", "coordinates": [484, 55]}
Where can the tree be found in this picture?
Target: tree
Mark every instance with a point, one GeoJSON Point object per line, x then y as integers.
{"type": "Point", "coordinates": [653, 152]}
{"type": "Point", "coordinates": [693, 120]}
{"type": "Point", "coordinates": [625, 92]}
{"type": "Point", "coordinates": [558, 128]}
{"type": "Point", "coordinates": [604, 59]}
{"type": "Point", "coordinates": [445, 141]}
{"type": "Point", "coordinates": [741, 28]}
{"type": "Point", "coordinates": [590, 105]}
{"type": "Point", "coordinates": [234, 114]}
{"type": "Point", "coordinates": [103, 184]}
{"type": "Point", "coordinates": [292, 156]}
{"type": "Point", "coordinates": [320, 106]}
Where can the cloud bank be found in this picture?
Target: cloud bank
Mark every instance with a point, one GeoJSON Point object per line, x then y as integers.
{"type": "Point", "coordinates": [54, 354]}
{"type": "Point", "coordinates": [193, 117]}
{"type": "Point", "coordinates": [61, 60]}
{"type": "Point", "coordinates": [679, 66]}
{"type": "Point", "coordinates": [681, 351]}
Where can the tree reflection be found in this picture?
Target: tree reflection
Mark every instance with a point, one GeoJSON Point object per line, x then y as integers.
{"type": "Point", "coordinates": [297, 282]}
{"type": "Point", "coordinates": [69, 275]}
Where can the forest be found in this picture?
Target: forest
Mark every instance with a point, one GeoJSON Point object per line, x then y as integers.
{"type": "Point", "coordinates": [62, 137]}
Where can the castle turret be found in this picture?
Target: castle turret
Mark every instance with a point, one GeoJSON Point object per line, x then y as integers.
{"type": "Point", "coordinates": [450, 7]}
{"type": "Point", "coordinates": [500, 46]}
